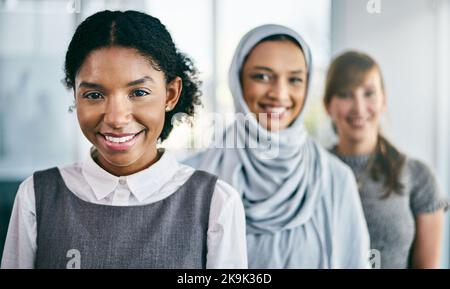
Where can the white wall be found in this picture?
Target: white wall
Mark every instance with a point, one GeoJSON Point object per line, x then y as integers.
{"type": "Point", "coordinates": [410, 40]}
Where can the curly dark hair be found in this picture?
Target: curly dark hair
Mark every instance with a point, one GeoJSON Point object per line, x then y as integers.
{"type": "Point", "coordinates": [150, 37]}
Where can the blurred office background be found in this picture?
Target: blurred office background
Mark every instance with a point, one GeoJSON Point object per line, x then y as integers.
{"type": "Point", "coordinates": [409, 38]}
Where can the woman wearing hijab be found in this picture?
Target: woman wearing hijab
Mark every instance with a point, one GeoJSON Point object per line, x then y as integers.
{"type": "Point", "coordinates": [302, 205]}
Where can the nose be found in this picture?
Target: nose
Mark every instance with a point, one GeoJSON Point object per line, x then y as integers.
{"type": "Point", "coordinates": [279, 91]}
{"type": "Point", "coordinates": [359, 103]}
{"type": "Point", "coordinates": [117, 112]}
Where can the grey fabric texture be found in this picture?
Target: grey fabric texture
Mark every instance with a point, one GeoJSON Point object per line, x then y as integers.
{"type": "Point", "coordinates": [391, 220]}
{"type": "Point", "coordinates": [171, 233]}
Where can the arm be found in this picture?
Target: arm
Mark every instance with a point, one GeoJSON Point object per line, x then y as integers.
{"type": "Point", "coordinates": [227, 245]}
{"type": "Point", "coordinates": [428, 207]}
{"type": "Point", "coordinates": [20, 246]}
{"type": "Point", "coordinates": [427, 245]}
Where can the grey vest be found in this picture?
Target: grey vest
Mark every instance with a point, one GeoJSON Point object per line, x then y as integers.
{"type": "Point", "coordinates": [72, 233]}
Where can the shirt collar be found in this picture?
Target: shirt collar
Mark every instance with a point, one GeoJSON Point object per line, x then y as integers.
{"type": "Point", "coordinates": [141, 184]}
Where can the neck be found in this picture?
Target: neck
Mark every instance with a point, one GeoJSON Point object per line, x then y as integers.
{"type": "Point", "coordinates": [355, 148]}
{"type": "Point", "coordinates": [145, 161]}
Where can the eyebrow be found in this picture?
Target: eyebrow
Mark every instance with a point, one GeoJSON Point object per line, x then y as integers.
{"type": "Point", "coordinates": [93, 85]}
{"type": "Point", "coordinates": [271, 70]}
{"type": "Point", "coordinates": [141, 81]}
{"type": "Point", "coordinates": [90, 85]}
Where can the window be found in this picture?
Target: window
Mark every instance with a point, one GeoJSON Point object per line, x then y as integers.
{"type": "Point", "coordinates": [36, 130]}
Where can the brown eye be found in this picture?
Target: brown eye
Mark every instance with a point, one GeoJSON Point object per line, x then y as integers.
{"type": "Point", "coordinates": [260, 77]}
{"type": "Point", "coordinates": [369, 93]}
{"type": "Point", "coordinates": [296, 80]}
{"type": "Point", "coordinates": [92, 95]}
{"type": "Point", "coordinates": [139, 93]}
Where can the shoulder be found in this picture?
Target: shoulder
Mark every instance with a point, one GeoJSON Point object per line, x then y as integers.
{"type": "Point", "coordinates": [226, 193]}
{"type": "Point", "coordinates": [226, 205]}
{"type": "Point", "coordinates": [336, 175]}
{"type": "Point", "coordinates": [418, 176]}
{"type": "Point", "coordinates": [68, 173]}
{"type": "Point", "coordinates": [25, 197]}
{"type": "Point", "coordinates": [339, 171]}
{"type": "Point", "coordinates": [26, 189]}
{"type": "Point", "coordinates": [416, 168]}
{"type": "Point", "coordinates": [332, 165]}
{"type": "Point", "coordinates": [29, 183]}
{"type": "Point", "coordinates": [341, 189]}
{"type": "Point", "coordinates": [74, 169]}
{"type": "Point", "coordinates": [422, 186]}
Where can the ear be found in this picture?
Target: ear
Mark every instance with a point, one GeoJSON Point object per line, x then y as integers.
{"type": "Point", "coordinates": [173, 92]}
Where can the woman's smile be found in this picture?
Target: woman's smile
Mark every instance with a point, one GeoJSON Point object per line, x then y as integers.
{"type": "Point", "coordinates": [357, 122]}
{"type": "Point", "coordinates": [121, 112]}
{"type": "Point", "coordinates": [274, 83]}
{"type": "Point", "coordinates": [119, 142]}
{"type": "Point", "coordinates": [275, 112]}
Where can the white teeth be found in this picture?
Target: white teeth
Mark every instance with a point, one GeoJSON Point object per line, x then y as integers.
{"type": "Point", "coordinates": [357, 121]}
{"type": "Point", "coordinates": [119, 139]}
{"type": "Point", "coordinates": [279, 109]}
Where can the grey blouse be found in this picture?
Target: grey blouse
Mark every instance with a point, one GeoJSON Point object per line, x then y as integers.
{"type": "Point", "coordinates": [391, 220]}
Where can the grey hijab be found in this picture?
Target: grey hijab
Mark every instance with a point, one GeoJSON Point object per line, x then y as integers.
{"type": "Point", "coordinates": [279, 192]}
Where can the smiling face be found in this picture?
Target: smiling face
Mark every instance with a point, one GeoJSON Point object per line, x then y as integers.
{"type": "Point", "coordinates": [274, 83]}
{"type": "Point", "coordinates": [121, 101]}
{"type": "Point", "coordinates": [356, 112]}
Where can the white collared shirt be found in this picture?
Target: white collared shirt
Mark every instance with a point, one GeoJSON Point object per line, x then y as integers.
{"type": "Point", "coordinates": [226, 243]}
